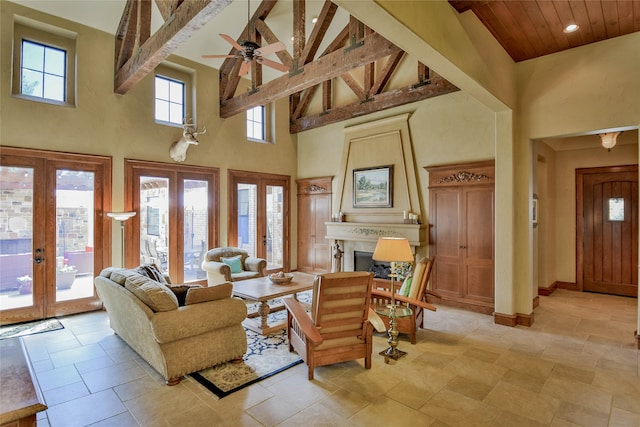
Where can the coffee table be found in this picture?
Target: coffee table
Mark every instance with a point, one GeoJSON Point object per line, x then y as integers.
{"type": "Point", "coordinates": [261, 290]}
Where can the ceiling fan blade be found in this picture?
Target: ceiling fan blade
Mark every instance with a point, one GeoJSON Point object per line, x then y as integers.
{"type": "Point", "coordinates": [221, 56]}
{"type": "Point", "coordinates": [274, 47]}
{"type": "Point", "coordinates": [273, 64]}
{"type": "Point", "coordinates": [244, 68]}
{"type": "Point", "coordinates": [232, 42]}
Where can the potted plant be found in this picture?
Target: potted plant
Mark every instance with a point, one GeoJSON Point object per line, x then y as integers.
{"type": "Point", "coordinates": [65, 276]}
{"type": "Point", "coordinates": [25, 284]}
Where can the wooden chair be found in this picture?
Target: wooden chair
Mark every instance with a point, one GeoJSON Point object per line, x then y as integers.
{"type": "Point", "coordinates": [381, 294]}
{"type": "Point", "coordinates": [337, 329]}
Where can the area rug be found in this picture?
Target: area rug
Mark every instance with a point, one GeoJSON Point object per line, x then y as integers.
{"type": "Point", "coordinates": [29, 328]}
{"type": "Point", "coordinates": [266, 356]}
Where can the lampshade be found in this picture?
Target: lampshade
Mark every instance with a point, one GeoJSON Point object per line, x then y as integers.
{"type": "Point", "coordinates": [121, 216]}
{"type": "Point", "coordinates": [609, 139]}
{"type": "Point", "coordinates": [393, 249]}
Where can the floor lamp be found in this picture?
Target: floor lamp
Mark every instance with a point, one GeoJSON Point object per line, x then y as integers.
{"type": "Point", "coordinates": [122, 217]}
{"type": "Point", "coordinates": [392, 250]}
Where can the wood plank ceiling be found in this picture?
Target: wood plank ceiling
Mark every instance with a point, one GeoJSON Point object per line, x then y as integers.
{"type": "Point", "coordinates": [533, 28]}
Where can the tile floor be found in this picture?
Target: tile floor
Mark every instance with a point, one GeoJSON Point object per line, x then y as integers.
{"type": "Point", "coordinates": [577, 366]}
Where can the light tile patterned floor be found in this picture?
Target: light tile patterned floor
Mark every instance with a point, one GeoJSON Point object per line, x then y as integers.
{"type": "Point", "coordinates": [576, 366]}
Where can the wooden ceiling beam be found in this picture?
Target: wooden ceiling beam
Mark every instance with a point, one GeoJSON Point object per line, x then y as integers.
{"type": "Point", "coordinates": [390, 99]}
{"type": "Point", "coordinates": [386, 73]}
{"type": "Point", "coordinates": [189, 17]}
{"type": "Point", "coordinates": [319, 31]}
{"type": "Point", "coordinates": [326, 67]}
{"type": "Point", "coordinates": [354, 85]}
{"type": "Point", "coordinates": [270, 38]}
{"type": "Point", "coordinates": [167, 7]}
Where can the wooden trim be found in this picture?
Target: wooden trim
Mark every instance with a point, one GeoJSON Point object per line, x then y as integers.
{"type": "Point", "coordinates": [548, 291]}
{"type": "Point", "coordinates": [513, 319]}
{"type": "Point", "coordinates": [570, 286]}
{"type": "Point", "coordinates": [637, 338]}
{"type": "Point", "coordinates": [536, 302]}
{"type": "Point", "coordinates": [475, 173]}
{"type": "Point", "coordinates": [319, 185]}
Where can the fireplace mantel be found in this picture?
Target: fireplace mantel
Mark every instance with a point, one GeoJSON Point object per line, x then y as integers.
{"type": "Point", "coordinates": [370, 232]}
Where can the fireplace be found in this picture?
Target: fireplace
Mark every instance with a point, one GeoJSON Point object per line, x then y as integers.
{"type": "Point", "coordinates": [363, 261]}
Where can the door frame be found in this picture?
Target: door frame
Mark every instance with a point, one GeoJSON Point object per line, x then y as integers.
{"type": "Point", "coordinates": [237, 176]}
{"type": "Point", "coordinates": [580, 173]}
{"type": "Point", "coordinates": [44, 297]}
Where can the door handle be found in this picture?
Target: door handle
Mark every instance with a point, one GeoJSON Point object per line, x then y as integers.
{"type": "Point", "coordinates": [463, 247]}
{"type": "Point", "coordinates": [264, 240]}
{"type": "Point", "coordinates": [38, 258]}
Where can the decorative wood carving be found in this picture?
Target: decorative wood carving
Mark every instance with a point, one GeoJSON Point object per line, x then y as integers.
{"type": "Point", "coordinates": [314, 189]}
{"type": "Point", "coordinates": [463, 176]}
{"type": "Point", "coordinates": [477, 173]}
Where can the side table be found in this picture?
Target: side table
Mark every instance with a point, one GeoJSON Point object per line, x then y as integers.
{"type": "Point", "coordinates": [393, 312]}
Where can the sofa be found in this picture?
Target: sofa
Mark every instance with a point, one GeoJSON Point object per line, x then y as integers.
{"type": "Point", "coordinates": [174, 339]}
{"type": "Point", "coordinates": [219, 265]}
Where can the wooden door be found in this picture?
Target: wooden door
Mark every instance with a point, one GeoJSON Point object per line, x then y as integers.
{"type": "Point", "coordinates": [314, 209]}
{"type": "Point", "coordinates": [608, 213]}
{"type": "Point", "coordinates": [445, 240]}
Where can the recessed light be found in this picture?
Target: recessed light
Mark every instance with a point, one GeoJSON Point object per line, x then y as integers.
{"type": "Point", "coordinates": [571, 28]}
{"type": "Point", "coordinates": [314, 19]}
{"type": "Point", "coordinates": [292, 38]}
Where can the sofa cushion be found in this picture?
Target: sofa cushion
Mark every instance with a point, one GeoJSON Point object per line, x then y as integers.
{"type": "Point", "coordinates": [152, 272]}
{"type": "Point", "coordinates": [180, 291]}
{"type": "Point", "coordinates": [235, 263]}
{"type": "Point", "coordinates": [119, 275]}
{"type": "Point", "coordinates": [211, 293]}
{"type": "Point", "coordinates": [155, 295]}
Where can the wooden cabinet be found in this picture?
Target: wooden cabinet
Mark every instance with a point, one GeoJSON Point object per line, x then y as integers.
{"type": "Point", "coordinates": [314, 209]}
{"type": "Point", "coordinates": [461, 238]}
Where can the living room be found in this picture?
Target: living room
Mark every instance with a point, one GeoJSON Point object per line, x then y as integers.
{"type": "Point", "coordinates": [503, 110]}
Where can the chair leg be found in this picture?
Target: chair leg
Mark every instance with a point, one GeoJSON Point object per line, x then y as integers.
{"type": "Point", "coordinates": [310, 372]}
{"type": "Point", "coordinates": [173, 381]}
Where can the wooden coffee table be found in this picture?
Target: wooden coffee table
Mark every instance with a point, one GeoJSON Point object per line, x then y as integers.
{"type": "Point", "coordinates": [261, 290]}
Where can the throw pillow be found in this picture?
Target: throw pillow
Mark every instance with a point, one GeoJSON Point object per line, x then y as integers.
{"type": "Point", "coordinates": [211, 293]}
{"type": "Point", "coordinates": [234, 263]}
{"type": "Point", "coordinates": [152, 272]}
{"type": "Point", "coordinates": [406, 286]}
{"type": "Point", "coordinates": [180, 292]}
{"type": "Point", "coordinates": [417, 274]}
{"type": "Point", "coordinates": [155, 295]}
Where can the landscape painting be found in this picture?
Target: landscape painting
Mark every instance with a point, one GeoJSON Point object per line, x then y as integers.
{"type": "Point", "coordinates": [373, 187]}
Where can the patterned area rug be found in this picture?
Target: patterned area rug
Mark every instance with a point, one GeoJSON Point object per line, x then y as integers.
{"type": "Point", "coordinates": [22, 329]}
{"type": "Point", "coordinates": [266, 356]}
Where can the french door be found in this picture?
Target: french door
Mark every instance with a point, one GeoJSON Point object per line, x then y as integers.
{"type": "Point", "coordinates": [54, 235]}
{"type": "Point", "coordinates": [177, 217]}
{"type": "Point", "coordinates": [259, 216]}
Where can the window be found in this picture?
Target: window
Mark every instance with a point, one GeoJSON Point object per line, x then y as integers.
{"type": "Point", "coordinates": [43, 71]}
{"type": "Point", "coordinates": [256, 123]}
{"type": "Point", "coordinates": [169, 100]}
{"type": "Point", "coordinates": [173, 97]}
{"type": "Point", "coordinates": [43, 63]}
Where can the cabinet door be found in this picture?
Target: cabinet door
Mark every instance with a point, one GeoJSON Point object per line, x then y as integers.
{"type": "Point", "coordinates": [478, 250]}
{"type": "Point", "coordinates": [446, 208]}
{"type": "Point", "coordinates": [314, 251]}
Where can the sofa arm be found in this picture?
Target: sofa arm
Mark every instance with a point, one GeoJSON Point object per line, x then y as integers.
{"type": "Point", "coordinates": [217, 272]}
{"type": "Point", "coordinates": [255, 264]}
{"type": "Point", "coordinates": [196, 319]}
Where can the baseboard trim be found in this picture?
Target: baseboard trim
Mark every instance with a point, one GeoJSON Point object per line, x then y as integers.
{"type": "Point", "coordinates": [637, 337]}
{"type": "Point", "coordinates": [548, 291]}
{"type": "Point", "coordinates": [513, 319]}
{"type": "Point", "coordinates": [570, 286]}
{"type": "Point", "coordinates": [536, 301]}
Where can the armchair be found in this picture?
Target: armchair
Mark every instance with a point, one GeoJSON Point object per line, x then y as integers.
{"type": "Point", "coordinates": [219, 272]}
{"type": "Point", "coordinates": [337, 329]}
{"type": "Point", "coordinates": [417, 299]}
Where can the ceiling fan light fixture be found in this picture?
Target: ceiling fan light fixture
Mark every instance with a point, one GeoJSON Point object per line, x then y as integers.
{"type": "Point", "coordinates": [571, 28]}
{"type": "Point", "coordinates": [609, 139]}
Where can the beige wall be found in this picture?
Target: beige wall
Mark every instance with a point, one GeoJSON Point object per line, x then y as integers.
{"type": "Point", "coordinates": [122, 126]}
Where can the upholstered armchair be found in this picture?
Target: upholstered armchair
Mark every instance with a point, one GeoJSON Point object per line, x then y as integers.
{"type": "Point", "coordinates": [230, 265]}
{"type": "Point", "coordinates": [337, 329]}
{"type": "Point", "coordinates": [416, 299]}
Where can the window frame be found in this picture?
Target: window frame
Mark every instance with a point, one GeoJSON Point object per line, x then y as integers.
{"type": "Point", "coordinates": [267, 137]}
{"type": "Point", "coordinates": [182, 75]}
{"type": "Point", "coordinates": [51, 37]}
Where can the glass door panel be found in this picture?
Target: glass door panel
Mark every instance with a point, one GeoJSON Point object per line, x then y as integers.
{"type": "Point", "coordinates": [275, 223]}
{"type": "Point", "coordinates": [196, 227]}
{"type": "Point", "coordinates": [247, 218]}
{"type": "Point", "coordinates": [16, 256]}
{"type": "Point", "coordinates": [154, 221]}
{"type": "Point", "coordinates": [75, 209]}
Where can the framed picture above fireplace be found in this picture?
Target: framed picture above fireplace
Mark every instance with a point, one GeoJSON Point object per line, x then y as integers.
{"type": "Point", "coordinates": [373, 187]}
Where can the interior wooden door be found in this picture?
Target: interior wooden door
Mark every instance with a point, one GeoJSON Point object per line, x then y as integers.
{"type": "Point", "coordinates": [446, 238]}
{"type": "Point", "coordinates": [609, 230]}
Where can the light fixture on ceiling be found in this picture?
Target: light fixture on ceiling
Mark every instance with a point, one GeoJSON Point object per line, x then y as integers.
{"type": "Point", "coordinates": [571, 28]}
{"type": "Point", "coordinates": [314, 19]}
{"type": "Point", "coordinates": [609, 139]}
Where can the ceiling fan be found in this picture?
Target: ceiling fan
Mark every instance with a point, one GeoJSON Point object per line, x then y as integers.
{"type": "Point", "coordinates": [249, 51]}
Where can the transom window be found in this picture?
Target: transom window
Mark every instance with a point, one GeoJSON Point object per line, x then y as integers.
{"type": "Point", "coordinates": [169, 100]}
{"type": "Point", "coordinates": [43, 71]}
{"type": "Point", "coordinates": [256, 123]}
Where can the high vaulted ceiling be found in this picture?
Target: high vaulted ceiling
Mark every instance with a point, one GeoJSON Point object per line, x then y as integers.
{"type": "Point", "coordinates": [532, 28]}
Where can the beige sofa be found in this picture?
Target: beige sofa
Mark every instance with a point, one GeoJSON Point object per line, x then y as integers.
{"type": "Point", "coordinates": [219, 272]}
{"type": "Point", "coordinates": [174, 340]}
